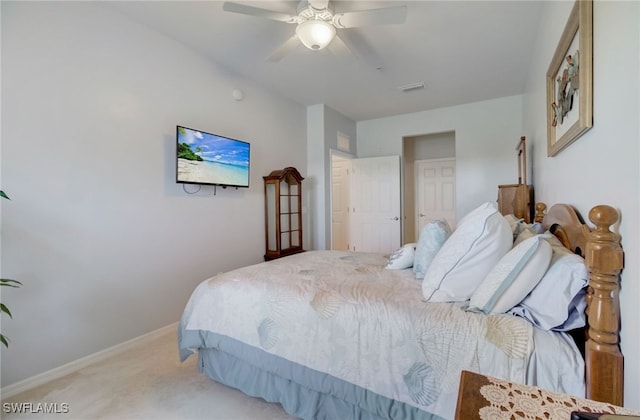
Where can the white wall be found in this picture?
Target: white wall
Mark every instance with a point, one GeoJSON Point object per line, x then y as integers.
{"type": "Point", "coordinates": [107, 245]}
{"type": "Point", "coordinates": [315, 179]}
{"type": "Point", "coordinates": [486, 134]}
{"type": "Point", "coordinates": [601, 167]}
{"type": "Point", "coordinates": [432, 146]}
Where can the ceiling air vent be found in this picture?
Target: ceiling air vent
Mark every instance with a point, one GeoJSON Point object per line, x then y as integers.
{"type": "Point", "coordinates": [411, 87]}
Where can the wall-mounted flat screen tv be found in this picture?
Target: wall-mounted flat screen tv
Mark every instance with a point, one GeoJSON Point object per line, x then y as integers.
{"type": "Point", "coordinates": [205, 158]}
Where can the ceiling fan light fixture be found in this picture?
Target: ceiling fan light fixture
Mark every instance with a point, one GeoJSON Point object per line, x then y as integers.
{"type": "Point", "coordinates": [315, 34]}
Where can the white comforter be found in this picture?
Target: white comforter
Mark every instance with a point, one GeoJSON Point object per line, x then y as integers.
{"type": "Point", "coordinates": [342, 313]}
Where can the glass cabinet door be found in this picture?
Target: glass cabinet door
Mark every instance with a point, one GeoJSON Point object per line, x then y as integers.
{"type": "Point", "coordinates": [270, 208]}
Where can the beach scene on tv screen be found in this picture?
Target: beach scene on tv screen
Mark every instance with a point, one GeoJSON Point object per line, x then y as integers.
{"type": "Point", "coordinates": [207, 158]}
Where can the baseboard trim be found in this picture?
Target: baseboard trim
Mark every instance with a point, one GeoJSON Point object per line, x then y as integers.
{"type": "Point", "coordinates": [71, 367]}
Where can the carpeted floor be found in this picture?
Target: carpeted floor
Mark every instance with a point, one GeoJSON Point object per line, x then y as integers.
{"type": "Point", "coordinates": [146, 382]}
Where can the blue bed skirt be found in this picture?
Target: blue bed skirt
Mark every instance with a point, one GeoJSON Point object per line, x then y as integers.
{"type": "Point", "coordinates": [302, 392]}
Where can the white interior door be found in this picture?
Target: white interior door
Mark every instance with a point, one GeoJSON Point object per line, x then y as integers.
{"type": "Point", "coordinates": [435, 192]}
{"type": "Point", "coordinates": [340, 167]}
{"type": "Point", "coordinates": [375, 204]}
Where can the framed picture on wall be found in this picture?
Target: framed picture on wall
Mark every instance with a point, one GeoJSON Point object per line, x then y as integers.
{"type": "Point", "coordinates": [570, 81]}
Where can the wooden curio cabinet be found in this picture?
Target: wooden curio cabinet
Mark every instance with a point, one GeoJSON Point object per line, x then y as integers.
{"type": "Point", "coordinates": [283, 213]}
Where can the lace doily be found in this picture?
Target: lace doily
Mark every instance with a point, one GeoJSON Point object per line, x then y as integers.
{"type": "Point", "coordinates": [515, 401]}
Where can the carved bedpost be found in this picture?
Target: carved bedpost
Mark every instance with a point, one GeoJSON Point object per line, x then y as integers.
{"type": "Point", "coordinates": [604, 258]}
{"type": "Point", "coordinates": [541, 208]}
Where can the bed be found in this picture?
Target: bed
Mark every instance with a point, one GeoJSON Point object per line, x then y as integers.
{"type": "Point", "coordinates": [332, 334]}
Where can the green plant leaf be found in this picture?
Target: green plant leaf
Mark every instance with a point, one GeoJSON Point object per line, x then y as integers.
{"type": "Point", "coordinates": [6, 310]}
{"type": "Point", "coordinates": [10, 283]}
{"type": "Point", "coordinates": [4, 341]}
{"type": "Point", "coordinates": [3, 195]}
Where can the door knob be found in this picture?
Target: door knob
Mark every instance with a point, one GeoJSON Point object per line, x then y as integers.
{"type": "Point", "coordinates": [422, 215]}
{"type": "Point", "coordinates": [395, 218]}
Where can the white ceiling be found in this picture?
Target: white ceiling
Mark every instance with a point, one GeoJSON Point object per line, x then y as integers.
{"type": "Point", "coordinates": [463, 51]}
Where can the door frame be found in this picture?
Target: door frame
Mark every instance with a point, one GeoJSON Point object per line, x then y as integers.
{"type": "Point", "coordinates": [430, 145]}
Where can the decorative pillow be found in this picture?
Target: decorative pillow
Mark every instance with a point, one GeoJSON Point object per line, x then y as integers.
{"type": "Point", "coordinates": [513, 277]}
{"type": "Point", "coordinates": [558, 301]}
{"type": "Point", "coordinates": [432, 236]}
{"type": "Point", "coordinates": [402, 258]}
{"type": "Point", "coordinates": [526, 230]}
{"type": "Point", "coordinates": [514, 222]}
{"type": "Point", "coordinates": [480, 240]}
{"type": "Point", "coordinates": [523, 236]}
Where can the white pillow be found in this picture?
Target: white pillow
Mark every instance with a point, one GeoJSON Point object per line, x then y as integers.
{"type": "Point", "coordinates": [432, 236]}
{"type": "Point", "coordinates": [513, 277]}
{"type": "Point", "coordinates": [514, 222]}
{"type": "Point", "coordinates": [558, 301]}
{"type": "Point", "coordinates": [480, 240]}
{"type": "Point", "coordinates": [402, 258]}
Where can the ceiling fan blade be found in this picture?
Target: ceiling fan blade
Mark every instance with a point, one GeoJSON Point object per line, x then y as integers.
{"type": "Point", "coordinates": [258, 12]}
{"type": "Point", "coordinates": [319, 4]}
{"type": "Point", "coordinates": [340, 49]}
{"type": "Point", "coordinates": [386, 16]}
{"type": "Point", "coordinates": [284, 49]}
{"type": "Point", "coordinates": [361, 50]}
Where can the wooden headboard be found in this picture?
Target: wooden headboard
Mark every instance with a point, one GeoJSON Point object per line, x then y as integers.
{"type": "Point", "coordinates": [605, 259]}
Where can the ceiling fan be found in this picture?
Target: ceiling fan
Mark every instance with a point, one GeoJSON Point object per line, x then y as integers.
{"type": "Point", "coordinates": [316, 23]}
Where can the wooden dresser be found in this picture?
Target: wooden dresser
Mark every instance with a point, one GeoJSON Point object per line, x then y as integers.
{"type": "Point", "coordinates": [517, 199]}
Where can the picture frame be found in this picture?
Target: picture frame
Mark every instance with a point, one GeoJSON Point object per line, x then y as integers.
{"type": "Point", "coordinates": [570, 81]}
